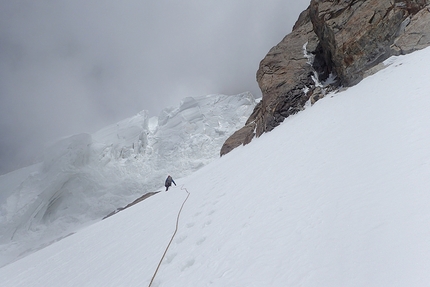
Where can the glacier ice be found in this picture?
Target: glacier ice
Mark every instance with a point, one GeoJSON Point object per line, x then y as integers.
{"type": "Point", "coordinates": [85, 176]}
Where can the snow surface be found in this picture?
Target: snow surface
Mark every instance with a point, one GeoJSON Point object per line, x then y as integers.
{"type": "Point", "coordinates": [338, 195]}
{"type": "Point", "coordinates": [84, 177]}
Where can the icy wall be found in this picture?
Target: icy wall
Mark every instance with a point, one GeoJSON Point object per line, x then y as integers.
{"type": "Point", "coordinates": [84, 177]}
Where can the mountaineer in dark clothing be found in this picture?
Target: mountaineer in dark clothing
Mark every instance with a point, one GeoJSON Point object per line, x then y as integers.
{"type": "Point", "coordinates": [169, 181]}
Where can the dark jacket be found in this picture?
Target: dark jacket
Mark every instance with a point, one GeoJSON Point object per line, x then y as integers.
{"type": "Point", "coordinates": [169, 181]}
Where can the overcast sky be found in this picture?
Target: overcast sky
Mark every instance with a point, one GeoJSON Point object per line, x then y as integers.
{"type": "Point", "coordinates": [76, 66]}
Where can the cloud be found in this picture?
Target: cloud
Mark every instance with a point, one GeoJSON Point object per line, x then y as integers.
{"type": "Point", "coordinates": [75, 66]}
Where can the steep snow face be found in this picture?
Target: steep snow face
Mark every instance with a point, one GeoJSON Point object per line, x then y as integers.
{"type": "Point", "coordinates": [84, 177]}
{"type": "Point", "coordinates": [337, 195]}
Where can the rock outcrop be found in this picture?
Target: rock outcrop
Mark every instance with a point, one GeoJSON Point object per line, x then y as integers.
{"type": "Point", "coordinates": [285, 78]}
{"type": "Point", "coordinates": [416, 34]}
{"type": "Point", "coordinates": [357, 35]}
{"type": "Point", "coordinates": [136, 201]}
{"type": "Point", "coordinates": [344, 39]}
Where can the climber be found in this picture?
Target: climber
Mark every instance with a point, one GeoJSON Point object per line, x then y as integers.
{"type": "Point", "coordinates": [169, 181]}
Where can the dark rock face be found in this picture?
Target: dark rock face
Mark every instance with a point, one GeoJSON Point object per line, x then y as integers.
{"type": "Point", "coordinates": [136, 201]}
{"type": "Point", "coordinates": [242, 136]}
{"type": "Point", "coordinates": [346, 38]}
{"type": "Point", "coordinates": [357, 35]}
{"type": "Point", "coordinates": [415, 34]}
{"type": "Point", "coordinates": [284, 76]}
{"type": "Point", "coordinates": [285, 80]}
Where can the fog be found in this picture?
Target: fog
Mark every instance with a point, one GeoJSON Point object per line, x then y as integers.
{"type": "Point", "coordinates": [76, 66]}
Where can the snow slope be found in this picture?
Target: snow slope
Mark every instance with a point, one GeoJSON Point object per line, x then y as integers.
{"type": "Point", "coordinates": [338, 195]}
{"type": "Point", "coordinates": [84, 177]}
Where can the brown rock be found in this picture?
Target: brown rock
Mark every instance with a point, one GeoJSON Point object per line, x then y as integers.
{"type": "Point", "coordinates": [242, 136]}
{"type": "Point", "coordinates": [357, 35]}
{"type": "Point", "coordinates": [348, 38]}
{"type": "Point", "coordinates": [415, 35]}
{"type": "Point", "coordinates": [136, 201]}
{"type": "Point", "coordinates": [284, 76]}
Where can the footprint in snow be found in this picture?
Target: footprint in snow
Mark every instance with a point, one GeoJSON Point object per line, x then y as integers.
{"type": "Point", "coordinates": [188, 264]}
{"type": "Point", "coordinates": [191, 224]}
{"type": "Point", "coordinates": [207, 223]}
{"type": "Point", "coordinates": [201, 240]}
{"type": "Point", "coordinates": [181, 239]}
{"type": "Point", "coordinates": [170, 257]}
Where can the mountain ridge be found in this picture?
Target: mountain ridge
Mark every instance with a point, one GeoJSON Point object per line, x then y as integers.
{"type": "Point", "coordinates": [339, 41]}
{"type": "Point", "coordinates": [337, 195]}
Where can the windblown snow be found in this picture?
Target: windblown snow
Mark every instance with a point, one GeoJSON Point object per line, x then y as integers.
{"type": "Point", "coordinates": [84, 177]}
{"type": "Point", "coordinates": [338, 195]}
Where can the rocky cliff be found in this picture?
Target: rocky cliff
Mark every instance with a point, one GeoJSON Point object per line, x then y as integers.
{"type": "Point", "coordinates": [333, 43]}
